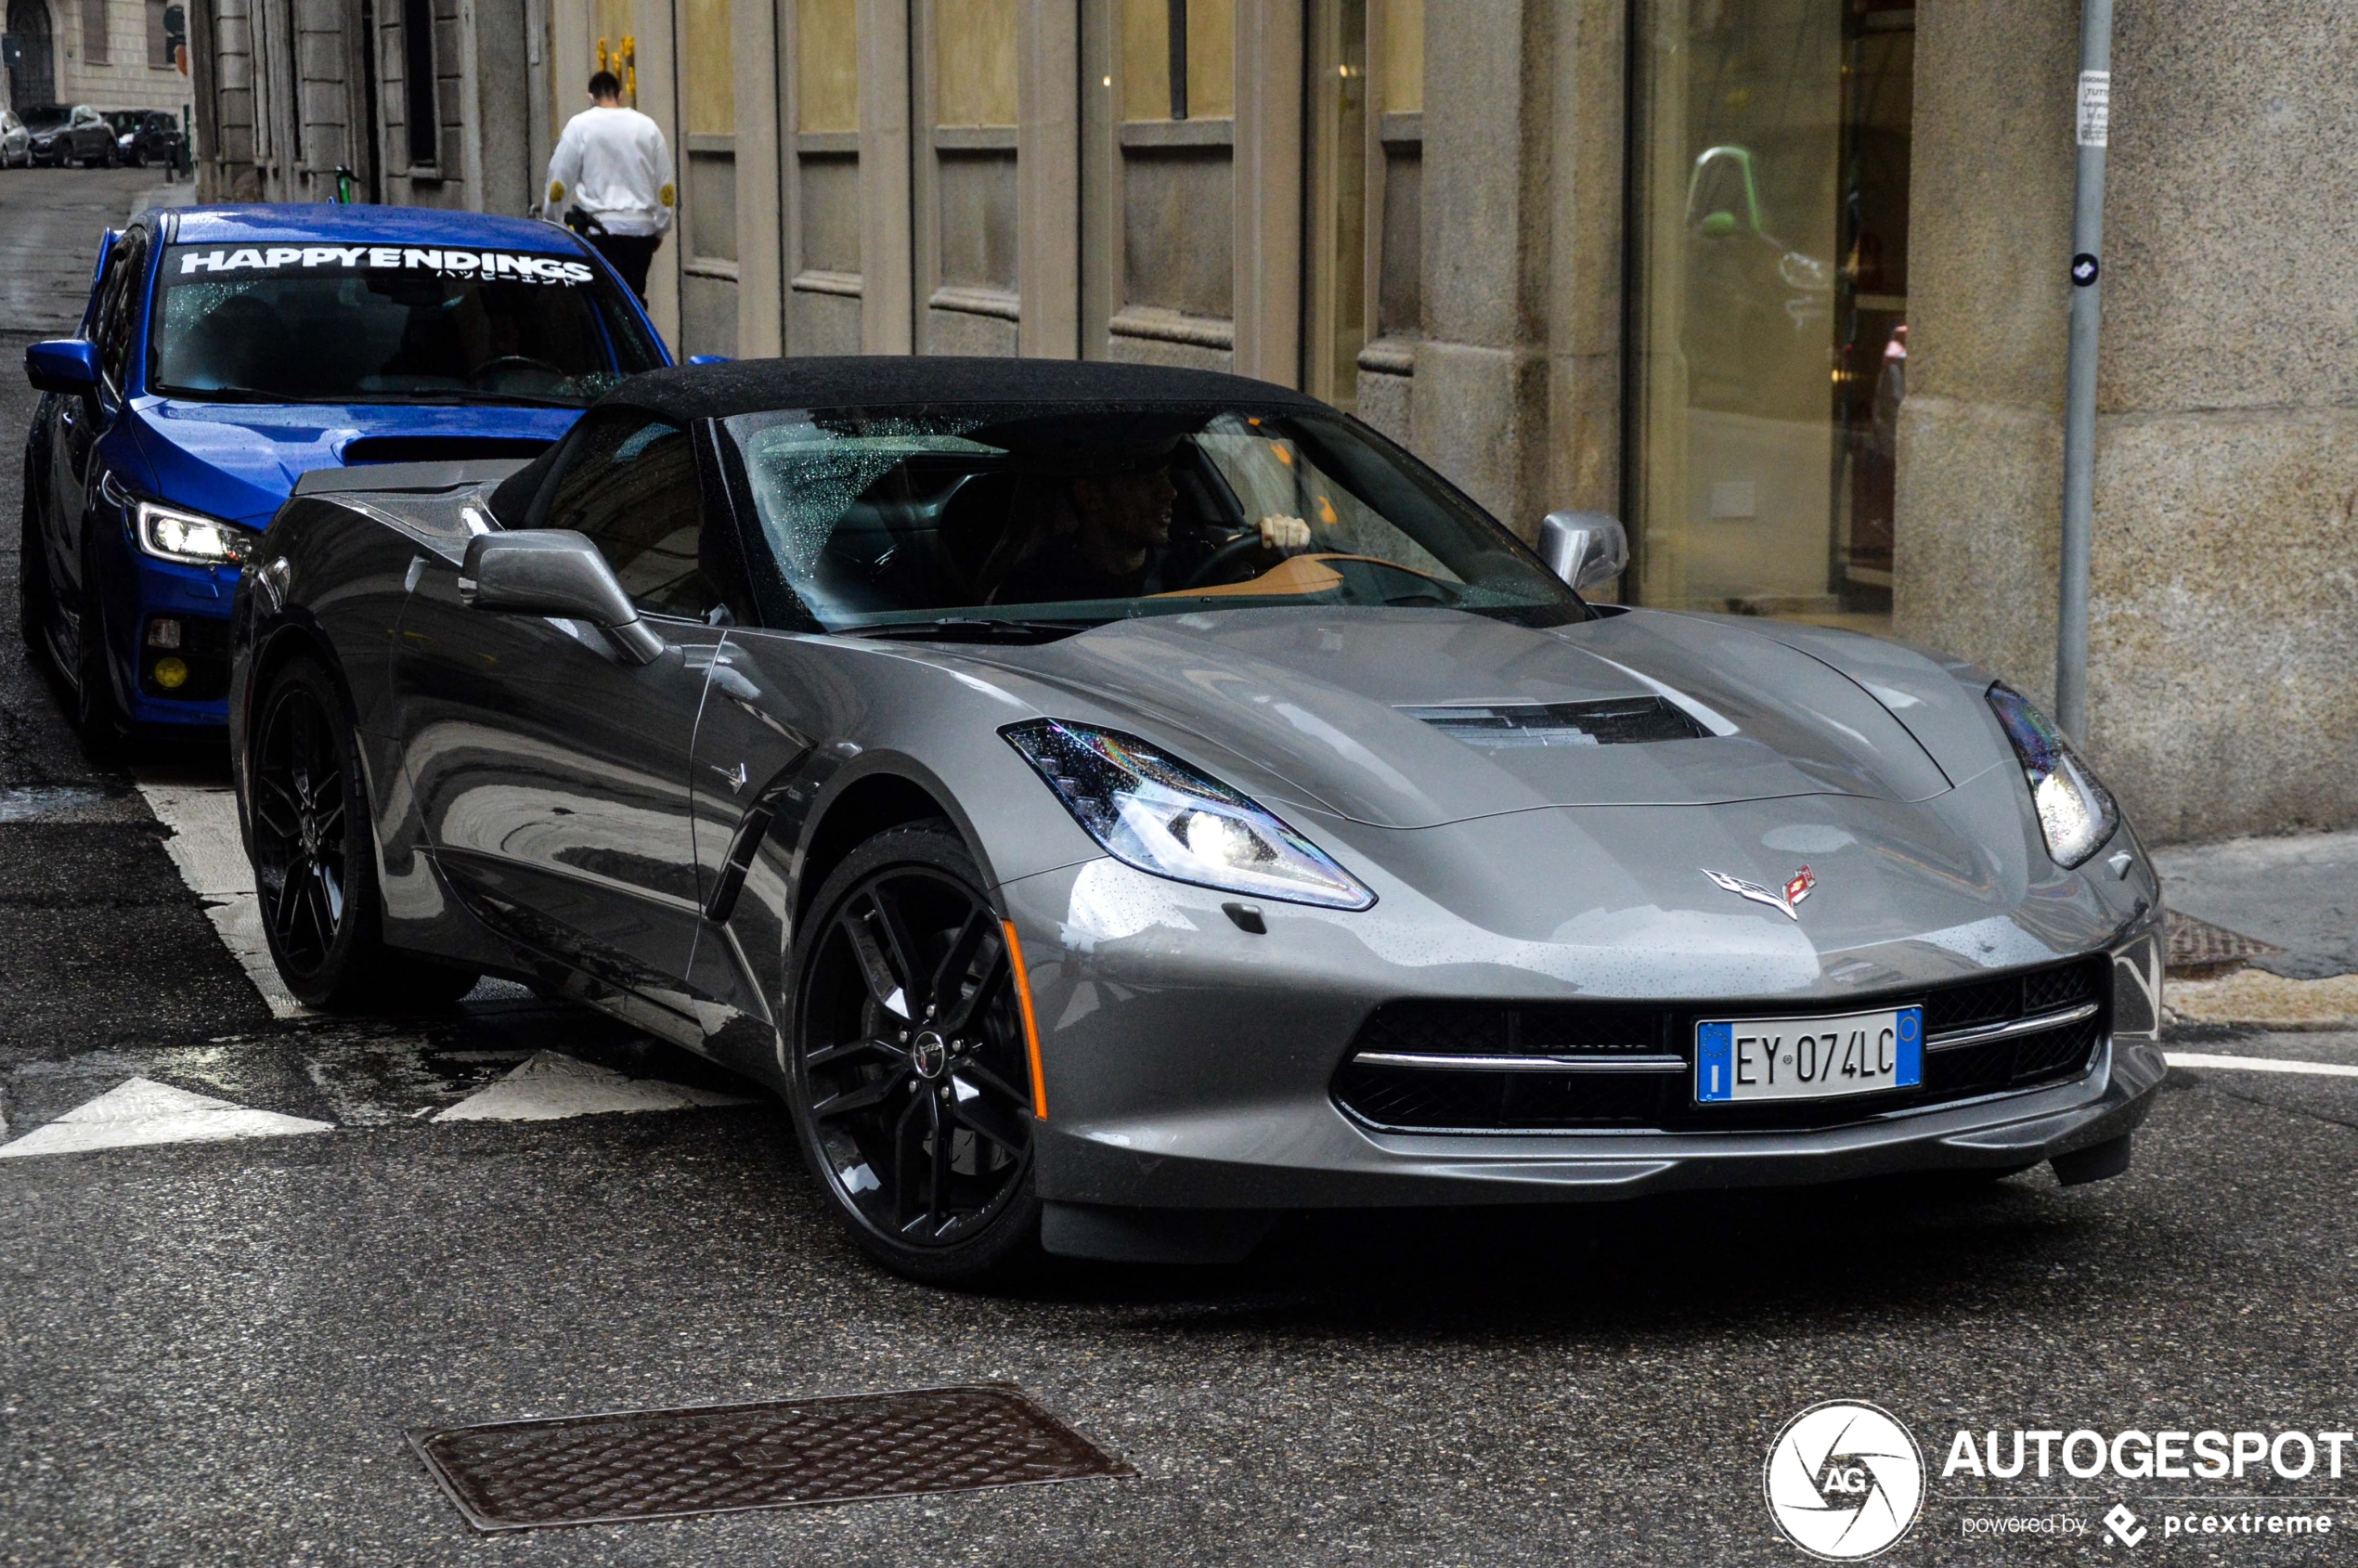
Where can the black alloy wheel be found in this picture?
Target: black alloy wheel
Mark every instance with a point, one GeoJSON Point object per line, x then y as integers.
{"type": "Point", "coordinates": [315, 855]}
{"type": "Point", "coordinates": [302, 824]}
{"type": "Point", "coordinates": [911, 1072]}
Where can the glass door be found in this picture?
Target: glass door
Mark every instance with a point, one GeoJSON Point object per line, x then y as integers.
{"type": "Point", "coordinates": [1771, 167]}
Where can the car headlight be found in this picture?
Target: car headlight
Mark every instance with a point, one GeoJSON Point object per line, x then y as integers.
{"type": "Point", "coordinates": [191, 537]}
{"type": "Point", "coordinates": [1154, 813]}
{"type": "Point", "coordinates": [2075, 813]}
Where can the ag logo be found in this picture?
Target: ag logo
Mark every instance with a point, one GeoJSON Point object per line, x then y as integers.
{"type": "Point", "coordinates": [1845, 1481]}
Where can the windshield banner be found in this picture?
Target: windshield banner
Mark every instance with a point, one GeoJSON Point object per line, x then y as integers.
{"type": "Point", "coordinates": [383, 258]}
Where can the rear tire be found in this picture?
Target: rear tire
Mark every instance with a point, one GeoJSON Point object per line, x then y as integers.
{"type": "Point", "coordinates": [909, 1079]}
{"type": "Point", "coordinates": [314, 856]}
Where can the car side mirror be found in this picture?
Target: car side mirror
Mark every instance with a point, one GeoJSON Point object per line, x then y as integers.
{"type": "Point", "coordinates": [1584, 547]}
{"type": "Point", "coordinates": [554, 572]}
{"type": "Point", "coordinates": [68, 365]}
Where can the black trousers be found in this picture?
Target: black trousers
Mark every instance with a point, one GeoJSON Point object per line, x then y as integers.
{"type": "Point", "coordinates": [629, 255]}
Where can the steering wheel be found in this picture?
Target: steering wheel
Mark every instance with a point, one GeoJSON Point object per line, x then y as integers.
{"type": "Point", "coordinates": [475, 377]}
{"type": "Point", "coordinates": [1225, 560]}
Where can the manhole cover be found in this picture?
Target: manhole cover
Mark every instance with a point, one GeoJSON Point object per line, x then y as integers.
{"type": "Point", "coordinates": [2200, 950]}
{"type": "Point", "coordinates": [725, 1459]}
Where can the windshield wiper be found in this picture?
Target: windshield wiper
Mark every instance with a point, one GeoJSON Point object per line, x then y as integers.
{"type": "Point", "coordinates": [973, 628]}
{"type": "Point", "coordinates": [231, 395]}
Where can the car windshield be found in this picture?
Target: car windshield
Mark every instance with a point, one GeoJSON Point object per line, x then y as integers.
{"type": "Point", "coordinates": [124, 120]}
{"type": "Point", "coordinates": [389, 324]}
{"type": "Point", "coordinates": [1018, 521]}
{"type": "Point", "coordinates": [46, 117]}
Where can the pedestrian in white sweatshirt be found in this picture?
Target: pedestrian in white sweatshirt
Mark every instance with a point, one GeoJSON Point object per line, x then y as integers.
{"type": "Point", "coordinates": [613, 167]}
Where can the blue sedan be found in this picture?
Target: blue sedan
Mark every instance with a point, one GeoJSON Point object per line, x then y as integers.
{"type": "Point", "coordinates": [225, 352]}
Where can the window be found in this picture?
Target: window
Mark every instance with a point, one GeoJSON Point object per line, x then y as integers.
{"type": "Point", "coordinates": [1772, 272]}
{"type": "Point", "coordinates": [93, 32]}
{"type": "Point", "coordinates": [424, 109]}
{"type": "Point", "coordinates": [119, 308]}
{"type": "Point", "coordinates": [160, 33]}
{"type": "Point", "coordinates": [630, 486]}
{"type": "Point", "coordinates": [1179, 59]}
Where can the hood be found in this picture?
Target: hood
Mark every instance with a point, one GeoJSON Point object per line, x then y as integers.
{"type": "Point", "coordinates": [1624, 903]}
{"type": "Point", "coordinates": [1379, 716]}
{"type": "Point", "coordinates": [240, 462]}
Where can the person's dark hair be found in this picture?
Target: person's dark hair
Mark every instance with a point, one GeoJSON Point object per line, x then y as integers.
{"type": "Point", "coordinates": [606, 84]}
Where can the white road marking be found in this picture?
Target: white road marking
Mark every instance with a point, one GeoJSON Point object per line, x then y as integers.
{"type": "Point", "coordinates": [140, 1111]}
{"type": "Point", "coordinates": [210, 854]}
{"type": "Point", "coordinates": [551, 1085]}
{"type": "Point", "coordinates": [2258, 1064]}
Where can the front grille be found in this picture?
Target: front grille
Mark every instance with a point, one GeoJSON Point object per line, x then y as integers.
{"type": "Point", "coordinates": [1632, 1067]}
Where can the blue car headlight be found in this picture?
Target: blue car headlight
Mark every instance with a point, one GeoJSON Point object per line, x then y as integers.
{"type": "Point", "coordinates": [1152, 811]}
{"type": "Point", "coordinates": [191, 537]}
{"type": "Point", "coordinates": [2075, 813]}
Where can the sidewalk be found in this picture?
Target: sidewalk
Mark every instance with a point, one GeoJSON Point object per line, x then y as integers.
{"type": "Point", "coordinates": [2296, 900]}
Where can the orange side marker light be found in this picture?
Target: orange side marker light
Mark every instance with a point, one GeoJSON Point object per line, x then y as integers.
{"type": "Point", "coordinates": [1030, 1024]}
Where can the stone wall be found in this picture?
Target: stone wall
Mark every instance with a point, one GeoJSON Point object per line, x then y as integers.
{"type": "Point", "coordinates": [2223, 650]}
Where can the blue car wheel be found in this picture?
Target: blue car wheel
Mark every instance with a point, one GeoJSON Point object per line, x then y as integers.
{"type": "Point", "coordinates": [99, 719]}
{"type": "Point", "coordinates": [33, 597]}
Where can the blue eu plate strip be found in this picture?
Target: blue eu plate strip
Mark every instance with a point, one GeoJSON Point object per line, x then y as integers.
{"type": "Point", "coordinates": [1714, 1062]}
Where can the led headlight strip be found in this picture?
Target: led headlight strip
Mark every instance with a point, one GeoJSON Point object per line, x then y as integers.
{"type": "Point", "coordinates": [189, 538]}
{"type": "Point", "coordinates": [2075, 813]}
{"type": "Point", "coordinates": [1152, 811]}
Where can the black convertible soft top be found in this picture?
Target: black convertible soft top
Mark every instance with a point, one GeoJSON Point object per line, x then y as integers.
{"type": "Point", "coordinates": [748, 386]}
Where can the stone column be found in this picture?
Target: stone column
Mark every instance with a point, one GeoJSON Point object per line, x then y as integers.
{"type": "Point", "coordinates": [1980, 502]}
{"type": "Point", "coordinates": [1479, 395]}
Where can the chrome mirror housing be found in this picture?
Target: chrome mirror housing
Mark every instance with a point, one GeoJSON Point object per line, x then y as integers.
{"type": "Point", "coordinates": [1584, 547]}
{"type": "Point", "coordinates": [555, 572]}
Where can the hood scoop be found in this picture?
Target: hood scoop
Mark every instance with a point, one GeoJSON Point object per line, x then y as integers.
{"type": "Point", "coordinates": [1607, 722]}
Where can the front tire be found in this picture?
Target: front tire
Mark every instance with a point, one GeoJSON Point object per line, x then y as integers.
{"type": "Point", "coordinates": [909, 1064]}
{"type": "Point", "coordinates": [314, 856]}
{"type": "Point", "coordinates": [34, 599]}
{"type": "Point", "coordinates": [99, 719]}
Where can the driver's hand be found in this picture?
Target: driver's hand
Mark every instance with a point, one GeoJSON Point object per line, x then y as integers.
{"type": "Point", "coordinates": [1287, 536]}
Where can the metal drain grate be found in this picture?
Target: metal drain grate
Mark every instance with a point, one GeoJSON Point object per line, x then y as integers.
{"type": "Point", "coordinates": [2200, 951]}
{"type": "Point", "coordinates": [726, 1458]}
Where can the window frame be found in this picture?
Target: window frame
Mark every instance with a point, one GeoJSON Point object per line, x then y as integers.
{"type": "Point", "coordinates": [718, 548]}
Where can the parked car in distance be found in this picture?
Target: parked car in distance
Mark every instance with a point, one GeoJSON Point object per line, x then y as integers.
{"type": "Point", "coordinates": [225, 352]}
{"type": "Point", "coordinates": [146, 135]}
{"type": "Point", "coordinates": [62, 136]}
{"type": "Point", "coordinates": [15, 142]}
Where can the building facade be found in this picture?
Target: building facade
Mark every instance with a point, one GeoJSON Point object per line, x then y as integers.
{"type": "Point", "coordinates": [1781, 282]}
{"type": "Point", "coordinates": [115, 54]}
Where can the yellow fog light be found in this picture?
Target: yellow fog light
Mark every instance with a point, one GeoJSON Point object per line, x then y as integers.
{"type": "Point", "coordinates": [171, 674]}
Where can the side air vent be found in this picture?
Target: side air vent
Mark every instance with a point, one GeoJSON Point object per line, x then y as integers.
{"type": "Point", "coordinates": [1614, 722]}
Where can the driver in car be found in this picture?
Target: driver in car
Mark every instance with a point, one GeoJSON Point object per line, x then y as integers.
{"type": "Point", "coordinates": [1110, 538]}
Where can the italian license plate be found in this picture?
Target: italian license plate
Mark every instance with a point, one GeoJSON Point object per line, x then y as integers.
{"type": "Point", "coordinates": [1746, 1059]}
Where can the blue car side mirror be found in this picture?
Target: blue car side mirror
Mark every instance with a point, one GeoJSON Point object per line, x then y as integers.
{"type": "Point", "coordinates": [68, 365]}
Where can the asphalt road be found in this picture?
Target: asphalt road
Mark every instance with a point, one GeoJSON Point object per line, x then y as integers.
{"type": "Point", "coordinates": [209, 1351]}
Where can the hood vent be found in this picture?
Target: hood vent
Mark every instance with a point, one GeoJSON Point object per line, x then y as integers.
{"type": "Point", "coordinates": [1614, 721]}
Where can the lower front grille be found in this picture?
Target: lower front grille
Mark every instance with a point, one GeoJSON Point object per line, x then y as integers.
{"type": "Point", "coordinates": [1430, 1065]}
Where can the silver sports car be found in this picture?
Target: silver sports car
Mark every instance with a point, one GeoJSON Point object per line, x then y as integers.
{"type": "Point", "coordinates": [1114, 805]}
